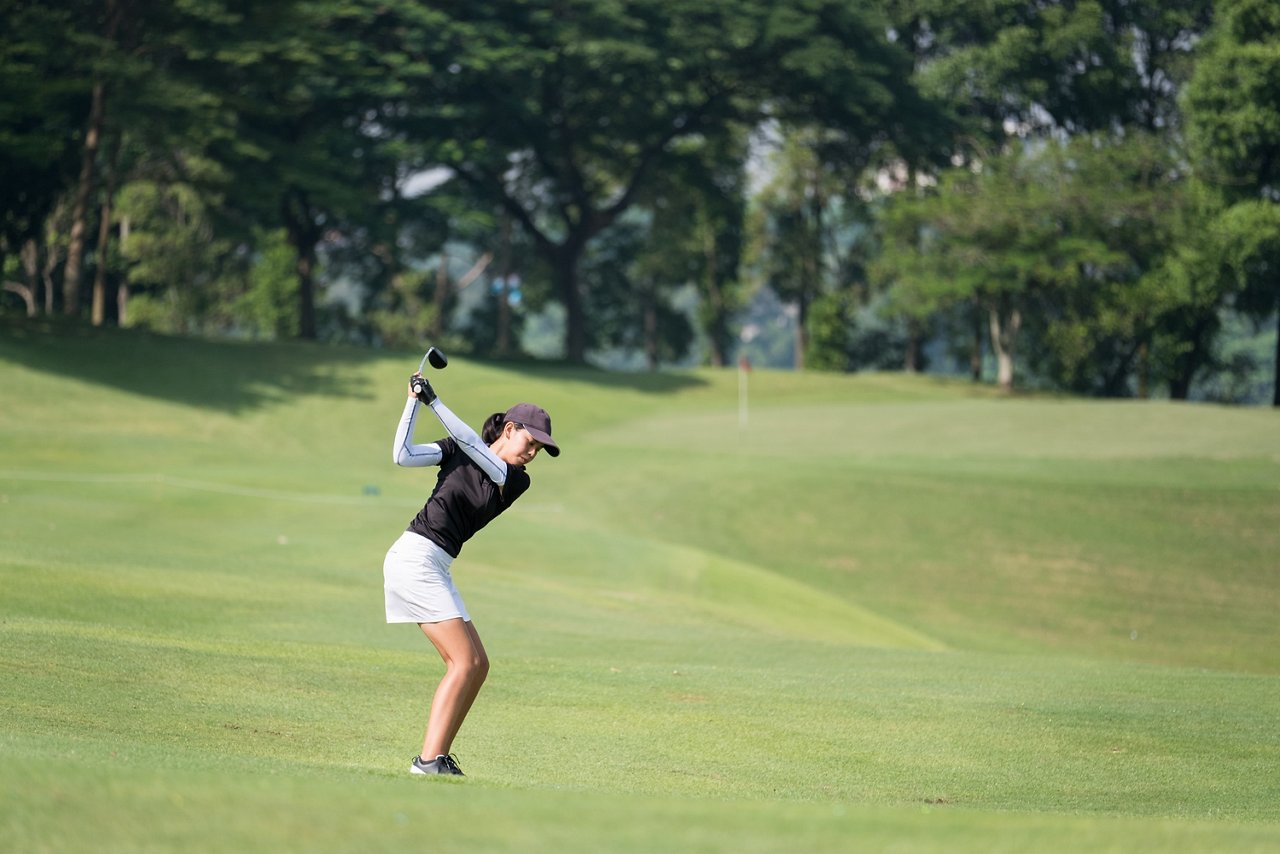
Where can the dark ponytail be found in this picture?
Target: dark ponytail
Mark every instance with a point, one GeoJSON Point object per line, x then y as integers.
{"type": "Point", "coordinates": [493, 427]}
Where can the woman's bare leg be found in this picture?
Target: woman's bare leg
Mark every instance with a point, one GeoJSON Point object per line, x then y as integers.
{"type": "Point", "coordinates": [466, 666]}
{"type": "Point", "coordinates": [477, 680]}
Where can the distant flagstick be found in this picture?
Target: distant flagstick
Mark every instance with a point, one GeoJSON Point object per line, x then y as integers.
{"type": "Point", "coordinates": [744, 368]}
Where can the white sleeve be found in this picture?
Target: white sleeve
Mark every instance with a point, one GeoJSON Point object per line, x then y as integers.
{"type": "Point", "coordinates": [406, 454]}
{"type": "Point", "coordinates": [471, 444]}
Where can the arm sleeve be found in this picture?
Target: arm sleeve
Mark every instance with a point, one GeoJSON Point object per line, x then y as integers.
{"type": "Point", "coordinates": [471, 444]}
{"type": "Point", "coordinates": [403, 452]}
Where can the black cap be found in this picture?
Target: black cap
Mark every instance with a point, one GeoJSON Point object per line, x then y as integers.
{"type": "Point", "coordinates": [536, 420]}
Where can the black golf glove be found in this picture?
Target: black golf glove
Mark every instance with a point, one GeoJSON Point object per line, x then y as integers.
{"type": "Point", "coordinates": [422, 389]}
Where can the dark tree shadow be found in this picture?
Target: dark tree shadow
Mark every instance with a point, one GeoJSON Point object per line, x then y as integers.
{"type": "Point", "coordinates": [235, 376]}
{"type": "Point", "coordinates": [228, 376]}
{"type": "Point", "coordinates": [660, 382]}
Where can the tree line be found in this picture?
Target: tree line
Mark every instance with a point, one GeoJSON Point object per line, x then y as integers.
{"type": "Point", "coordinates": [1081, 192]}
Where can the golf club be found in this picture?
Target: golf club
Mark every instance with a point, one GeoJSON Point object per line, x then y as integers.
{"type": "Point", "coordinates": [436, 357]}
{"type": "Point", "coordinates": [438, 360]}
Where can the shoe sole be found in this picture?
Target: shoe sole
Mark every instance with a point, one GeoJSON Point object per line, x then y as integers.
{"type": "Point", "coordinates": [446, 772]}
{"type": "Point", "coordinates": [414, 769]}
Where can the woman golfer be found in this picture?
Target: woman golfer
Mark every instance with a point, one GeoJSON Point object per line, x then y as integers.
{"type": "Point", "coordinates": [480, 477]}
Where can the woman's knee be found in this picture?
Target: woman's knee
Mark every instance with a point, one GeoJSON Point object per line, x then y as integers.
{"type": "Point", "coordinates": [480, 667]}
{"type": "Point", "coordinates": [473, 667]}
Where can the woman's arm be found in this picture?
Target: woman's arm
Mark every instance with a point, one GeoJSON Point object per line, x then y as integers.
{"type": "Point", "coordinates": [471, 444]}
{"type": "Point", "coordinates": [406, 454]}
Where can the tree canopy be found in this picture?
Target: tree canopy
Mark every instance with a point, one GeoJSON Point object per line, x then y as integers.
{"type": "Point", "coordinates": [1078, 193]}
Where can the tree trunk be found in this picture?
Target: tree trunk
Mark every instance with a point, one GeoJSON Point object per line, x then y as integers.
{"type": "Point", "coordinates": [911, 357]}
{"type": "Point", "coordinates": [304, 234]}
{"type": "Point", "coordinates": [306, 267]}
{"type": "Point", "coordinates": [1004, 337]}
{"type": "Point", "coordinates": [28, 256]}
{"type": "Point", "coordinates": [1275, 395]}
{"type": "Point", "coordinates": [717, 323]}
{"type": "Point", "coordinates": [24, 291]}
{"type": "Point", "coordinates": [104, 239]}
{"type": "Point", "coordinates": [650, 332]}
{"type": "Point", "coordinates": [50, 264]}
{"type": "Point", "coordinates": [1179, 387]}
{"type": "Point", "coordinates": [1184, 370]}
{"type": "Point", "coordinates": [84, 188]}
{"type": "Point", "coordinates": [1189, 361]}
{"type": "Point", "coordinates": [122, 289]}
{"type": "Point", "coordinates": [1144, 371]}
{"type": "Point", "coordinates": [811, 284]}
{"type": "Point", "coordinates": [802, 340]}
{"type": "Point", "coordinates": [566, 272]}
{"type": "Point", "coordinates": [975, 354]}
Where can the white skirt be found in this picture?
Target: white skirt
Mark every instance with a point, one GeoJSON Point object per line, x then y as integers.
{"type": "Point", "coordinates": [418, 585]}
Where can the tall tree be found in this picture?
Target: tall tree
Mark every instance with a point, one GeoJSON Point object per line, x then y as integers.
{"type": "Point", "coordinates": [804, 229]}
{"type": "Point", "coordinates": [1008, 237]}
{"type": "Point", "coordinates": [42, 111]}
{"type": "Point", "coordinates": [1233, 102]}
{"type": "Point", "coordinates": [127, 76]}
{"type": "Point", "coordinates": [1070, 65]}
{"type": "Point", "coordinates": [711, 213]}
{"type": "Point", "coordinates": [309, 84]}
{"type": "Point", "coordinates": [696, 234]}
{"type": "Point", "coordinates": [563, 115]}
{"type": "Point", "coordinates": [182, 275]}
{"type": "Point", "coordinates": [790, 231]}
{"type": "Point", "coordinates": [1129, 194]}
{"type": "Point", "coordinates": [113, 12]}
{"type": "Point", "coordinates": [631, 271]}
{"type": "Point", "coordinates": [1110, 69]}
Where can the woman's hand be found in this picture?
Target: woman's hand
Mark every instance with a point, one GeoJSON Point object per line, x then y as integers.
{"type": "Point", "coordinates": [421, 389]}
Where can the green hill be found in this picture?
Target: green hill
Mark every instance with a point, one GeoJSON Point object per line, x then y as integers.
{"type": "Point", "coordinates": [885, 610]}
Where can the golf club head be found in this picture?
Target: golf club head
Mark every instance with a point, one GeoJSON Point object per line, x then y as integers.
{"type": "Point", "coordinates": [437, 358]}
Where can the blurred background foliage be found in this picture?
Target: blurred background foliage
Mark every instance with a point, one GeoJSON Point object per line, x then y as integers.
{"type": "Point", "coordinates": [1070, 195]}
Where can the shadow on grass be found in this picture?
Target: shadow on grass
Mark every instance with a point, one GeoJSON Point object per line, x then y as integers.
{"type": "Point", "coordinates": [229, 376]}
{"type": "Point", "coordinates": [660, 382]}
{"type": "Point", "coordinates": [234, 376]}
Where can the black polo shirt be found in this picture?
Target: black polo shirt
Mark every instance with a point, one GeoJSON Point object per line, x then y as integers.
{"type": "Point", "coordinates": [464, 500]}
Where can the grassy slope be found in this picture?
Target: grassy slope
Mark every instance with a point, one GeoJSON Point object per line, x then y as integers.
{"type": "Point", "coordinates": [889, 609]}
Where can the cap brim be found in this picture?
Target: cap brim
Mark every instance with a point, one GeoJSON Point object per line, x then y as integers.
{"type": "Point", "coordinates": [547, 442]}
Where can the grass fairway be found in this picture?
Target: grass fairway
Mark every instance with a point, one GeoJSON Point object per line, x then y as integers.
{"type": "Point", "coordinates": [888, 613]}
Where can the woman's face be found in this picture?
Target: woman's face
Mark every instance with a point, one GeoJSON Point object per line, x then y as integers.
{"type": "Point", "coordinates": [516, 446]}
